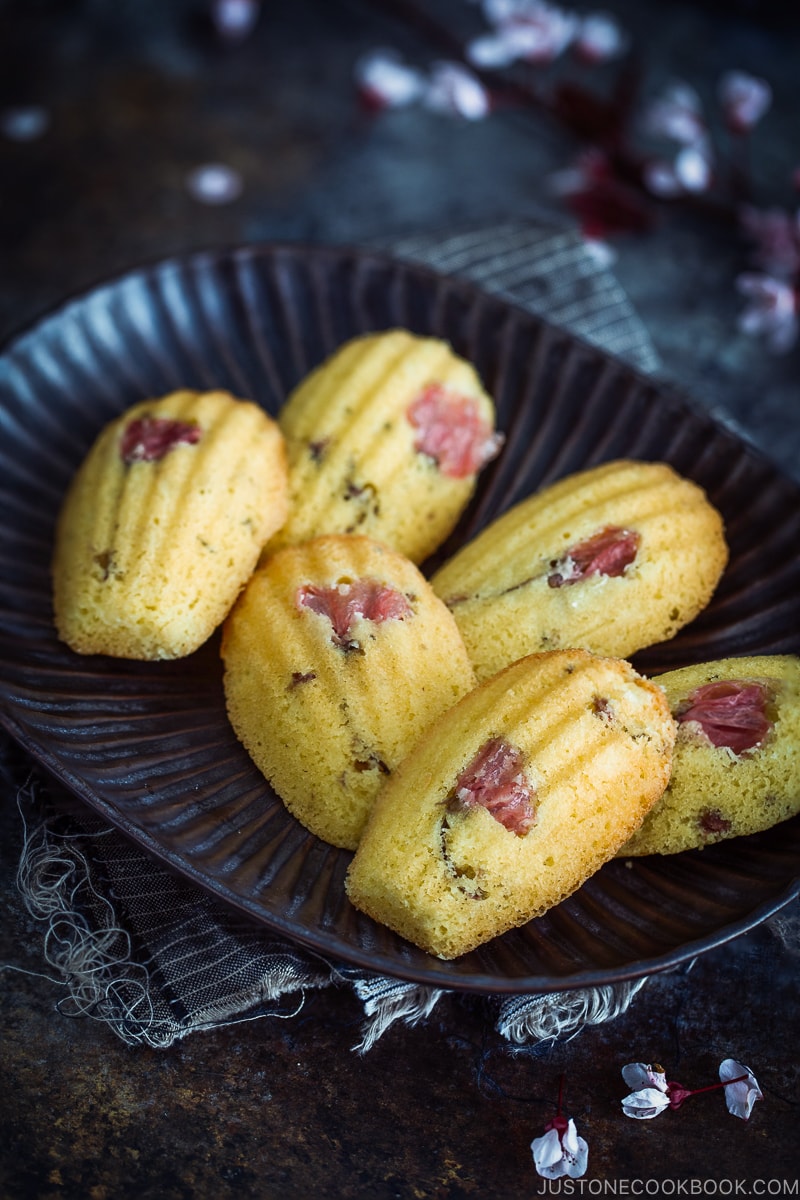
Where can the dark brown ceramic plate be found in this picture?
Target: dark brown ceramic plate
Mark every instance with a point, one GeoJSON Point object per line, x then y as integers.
{"type": "Point", "coordinates": [148, 746]}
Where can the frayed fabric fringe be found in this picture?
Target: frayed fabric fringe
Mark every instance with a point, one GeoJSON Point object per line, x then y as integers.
{"type": "Point", "coordinates": [85, 942]}
{"type": "Point", "coordinates": [388, 1000]}
{"type": "Point", "coordinates": [526, 1020]}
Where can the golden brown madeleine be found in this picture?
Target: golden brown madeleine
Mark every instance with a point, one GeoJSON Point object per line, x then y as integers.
{"type": "Point", "coordinates": [512, 799]}
{"type": "Point", "coordinates": [612, 559]}
{"type": "Point", "coordinates": [736, 765]}
{"type": "Point", "coordinates": [386, 439]}
{"type": "Point", "coordinates": [337, 657]}
{"type": "Point", "coordinates": [164, 522]}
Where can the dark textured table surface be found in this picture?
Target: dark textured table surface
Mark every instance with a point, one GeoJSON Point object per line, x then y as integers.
{"type": "Point", "coordinates": [137, 94]}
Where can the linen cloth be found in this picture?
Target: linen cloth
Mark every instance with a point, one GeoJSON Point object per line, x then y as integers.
{"type": "Point", "coordinates": [156, 958]}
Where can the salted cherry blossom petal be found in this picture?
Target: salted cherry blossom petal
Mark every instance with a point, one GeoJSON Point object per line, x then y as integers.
{"type": "Point", "coordinates": [386, 81]}
{"type": "Point", "coordinates": [744, 98]}
{"type": "Point", "coordinates": [741, 1095]}
{"type": "Point", "coordinates": [646, 1103]}
{"type": "Point", "coordinates": [455, 91]}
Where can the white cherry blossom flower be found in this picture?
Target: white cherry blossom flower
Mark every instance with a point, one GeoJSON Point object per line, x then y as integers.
{"type": "Point", "coordinates": [744, 98]}
{"type": "Point", "coordinates": [654, 1092]}
{"type": "Point", "coordinates": [492, 51]}
{"type": "Point", "coordinates": [386, 81]}
{"type": "Point", "coordinates": [776, 234]}
{"type": "Point", "coordinates": [649, 1096]}
{"type": "Point", "coordinates": [235, 19]}
{"type": "Point", "coordinates": [771, 311]}
{"type": "Point", "coordinates": [560, 1151]}
{"type": "Point", "coordinates": [531, 30]}
{"type": "Point", "coordinates": [676, 114]}
{"type": "Point", "coordinates": [642, 1075]}
{"type": "Point", "coordinates": [455, 91]}
{"type": "Point", "coordinates": [661, 179]}
{"type": "Point", "coordinates": [693, 167]}
{"type": "Point", "coordinates": [600, 37]}
{"type": "Point", "coordinates": [740, 1093]}
{"type": "Point", "coordinates": [690, 171]}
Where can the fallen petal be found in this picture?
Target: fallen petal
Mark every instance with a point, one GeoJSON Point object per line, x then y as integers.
{"type": "Point", "coordinates": [556, 1155]}
{"type": "Point", "coordinates": [546, 1151]}
{"type": "Point", "coordinates": [644, 1075]}
{"type": "Point", "coordinates": [741, 1095]}
{"type": "Point", "coordinates": [645, 1104]}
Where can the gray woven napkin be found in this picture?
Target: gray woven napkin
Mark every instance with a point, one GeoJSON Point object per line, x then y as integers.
{"type": "Point", "coordinates": [156, 958]}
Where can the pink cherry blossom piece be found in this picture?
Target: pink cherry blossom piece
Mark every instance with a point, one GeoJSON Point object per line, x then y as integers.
{"type": "Point", "coordinates": [345, 603]}
{"type": "Point", "coordinates": [495, 780]}
{"type": "Point", "coordinates": [452, 430]}
{"type": "Point", "coordinates": [608, 552]}
{"type": "Point", "coordinates": [730, 713]}
{"type": "Point", "coordinates": [148, 439]}
{"type": "Point", "coordinates": [775, 233]}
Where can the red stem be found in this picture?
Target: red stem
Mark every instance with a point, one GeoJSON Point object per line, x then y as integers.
{"type": "Point", "coordinates": [713, 1086]}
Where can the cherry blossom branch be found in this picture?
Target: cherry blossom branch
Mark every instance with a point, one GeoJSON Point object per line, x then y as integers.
{"type": "Point", "coordinates": [613, 187]}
